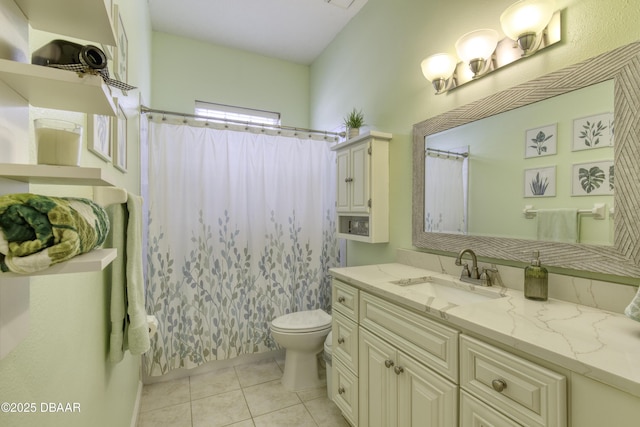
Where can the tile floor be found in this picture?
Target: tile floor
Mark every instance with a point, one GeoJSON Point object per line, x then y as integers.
{"type": "Point", "coordinates": [248, 395]}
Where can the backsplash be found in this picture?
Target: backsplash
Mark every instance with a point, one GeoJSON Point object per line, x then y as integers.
{"type": "Point", "coordinates": [593, 293]}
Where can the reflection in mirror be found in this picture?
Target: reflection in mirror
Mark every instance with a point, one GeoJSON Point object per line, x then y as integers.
{"type": "Point", "coordinates": [553, 155]}
{"type": "Point", "coordinates": [446, 189]}
{"type": "Point", "coordinates": [575, 175]}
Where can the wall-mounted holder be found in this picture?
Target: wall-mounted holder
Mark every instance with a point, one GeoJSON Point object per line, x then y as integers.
{"type": "Point", "coordinates": [598, 211]}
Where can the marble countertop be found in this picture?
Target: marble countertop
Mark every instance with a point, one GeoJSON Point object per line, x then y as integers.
{"type": "Point", "coordinates": [598, 344]}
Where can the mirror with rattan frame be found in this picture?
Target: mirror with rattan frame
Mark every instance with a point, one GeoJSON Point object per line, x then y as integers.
{"type": "Point", "coordinates": [623, 258]}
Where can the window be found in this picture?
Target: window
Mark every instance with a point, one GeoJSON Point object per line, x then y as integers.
{"type": "Point", "coordinates": [241, 114]}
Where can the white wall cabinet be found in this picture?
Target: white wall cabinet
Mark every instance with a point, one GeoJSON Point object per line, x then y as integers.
{"type": "Point", "coordinates": [362, 193]}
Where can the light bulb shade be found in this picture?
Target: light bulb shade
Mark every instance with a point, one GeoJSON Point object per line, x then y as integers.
{"type": "Point", "coordinates": [526, 17]}
{"type": "Point", "coordinates": [438, 66]}
{"type": "Point", "coordinates": [479, 44]}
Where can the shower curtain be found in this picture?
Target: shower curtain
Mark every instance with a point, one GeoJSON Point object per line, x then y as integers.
{"type": "Point", "coordinates": [446, 194]}
{"type": "Point", "coordinates": [241, 230]}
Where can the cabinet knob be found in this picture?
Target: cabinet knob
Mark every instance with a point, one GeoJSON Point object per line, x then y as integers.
{"type": "Point", "coordinates": [388, 363]}
{"type": "Point", "coordinates": [498, 385]}
{"type": "Point", "coordinates": [341, 299]}
{"type": "Point", "coordinates": [340, 340]}
{"type": "Point", "coordinates": [348, 180]}
{"type": "Point", "coordinates": [341, 390]}
{"type": "Point", "coordinates": [398, 370]}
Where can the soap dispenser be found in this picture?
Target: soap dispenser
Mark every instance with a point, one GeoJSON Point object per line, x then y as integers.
{"type": "Point", "coordinates": [536, 280]}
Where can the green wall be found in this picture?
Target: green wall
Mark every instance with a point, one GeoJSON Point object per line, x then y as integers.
{"type": "Point", "coordinates": [374, 65]}
{"type": "Point", "coordinates": [185, 70]}
{"type": "Point", "coordinates": [64, 358]}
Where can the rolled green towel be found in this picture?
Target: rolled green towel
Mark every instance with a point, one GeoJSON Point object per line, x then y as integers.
{"type": "Point", "coordinates": [39, 231]}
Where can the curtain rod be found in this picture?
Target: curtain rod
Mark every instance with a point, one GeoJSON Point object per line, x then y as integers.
{"type": "Point", "coordinates": [448, 153]}
{"type": "Point", "coordinates": [146, 110]}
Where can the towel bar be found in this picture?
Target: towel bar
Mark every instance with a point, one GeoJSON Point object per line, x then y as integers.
{"type": "Point", "coordinates": [598, 211]}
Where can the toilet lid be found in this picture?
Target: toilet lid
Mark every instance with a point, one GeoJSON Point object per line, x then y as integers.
{"type": "Point", "coordinates": [303, 321]}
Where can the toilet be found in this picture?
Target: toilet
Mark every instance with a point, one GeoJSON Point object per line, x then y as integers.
{"type": "Point", "coordinates": [302, 335]}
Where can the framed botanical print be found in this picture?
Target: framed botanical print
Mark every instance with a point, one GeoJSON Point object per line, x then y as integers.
{"type": "Point", "coordinates": [120, 131]}
{"type": "Point", "coordinates": [540, 182]}
{"type": "Point", "coordinates": [99, 135]}
{"type": "Point", "coordinates": [592, 179]}
{"type": "Point", "coordinates": [593, 132]}
{"type": "Point", "coordinates": [541, 141]}
{"type": "Point", "coordinates": [121, 55]}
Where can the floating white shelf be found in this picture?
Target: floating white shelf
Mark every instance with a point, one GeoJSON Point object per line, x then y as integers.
{"type": "Point", "coordinates": [59, 89]}
{"type": "Point", "coordinates": [83, 19]}
{"type": "Point", "coordinates": [96, 260]}
{"type": "Point", "coordinates": [55, 175]}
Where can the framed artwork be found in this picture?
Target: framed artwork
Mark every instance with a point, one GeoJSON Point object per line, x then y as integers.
{"type": "Point", "coordinates": [99, 135]}
{"type": "Point", "coordinates": [592, 179]}
{"type": "Point", "coordinates": [540, 182]}
{"type": "Point", "coordinates": [593, 132]}
{"type": "Point", "coordinates": [541, 141]}
{"type": "Point", "coordinates": [121, 55]}
{"type": "Point", "coordinates": [120, 130]}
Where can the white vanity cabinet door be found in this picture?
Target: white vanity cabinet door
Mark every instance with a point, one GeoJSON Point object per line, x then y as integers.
{"type": "Point", "coordinates": [397, 390]}
{"type": "Point", "coordinates": [378, 382]}
{"type": "Point", "coordinates": [475, 413]}
{"type": "Point", "coordinates": [425, 399]}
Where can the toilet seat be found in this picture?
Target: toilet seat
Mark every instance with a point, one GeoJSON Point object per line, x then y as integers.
{"type": "Point", "coordinates": [302, 321]}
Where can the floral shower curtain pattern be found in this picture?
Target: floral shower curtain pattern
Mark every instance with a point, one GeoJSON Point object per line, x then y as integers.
{"type": "Point", "coordinates": [241, 230]}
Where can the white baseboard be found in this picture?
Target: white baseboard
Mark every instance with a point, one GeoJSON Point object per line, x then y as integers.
{"type": "Point", "coordinates": [136, 407]}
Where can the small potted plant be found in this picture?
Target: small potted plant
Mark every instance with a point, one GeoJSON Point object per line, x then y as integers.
{"type": "Point", "coordinates": [353, 122]}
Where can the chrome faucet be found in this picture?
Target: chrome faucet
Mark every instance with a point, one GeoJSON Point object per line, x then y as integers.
{"type": "Point", "coordinates": [473, 276]}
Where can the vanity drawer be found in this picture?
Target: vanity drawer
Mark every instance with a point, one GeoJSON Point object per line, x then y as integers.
{"type": "Point", "coordinates": [530, 394]}
{"type": "Point", "coordinates": [345, 391]}
{"type": "Point", "coordinates": [345, 299]}
{"type": "Point", "coordinates": [344, 341]}
{"type": "Point", "coordinates": [474, 413]}
{"type": "Point", "coordinates": [433, 344]}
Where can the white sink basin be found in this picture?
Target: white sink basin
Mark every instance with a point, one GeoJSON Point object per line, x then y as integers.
{"type": "Point", "coordinates": [450, 290]}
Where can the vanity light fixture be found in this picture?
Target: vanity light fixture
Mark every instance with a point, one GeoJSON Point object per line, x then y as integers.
{"type": "Point", "coordinates": [439, 70]}
{"type": "Point", "coordinates": [525, 21]}
{"type": "Point", "coordinates": [476, 49]}
{"type": "Point", "coordinates": [532, 24]}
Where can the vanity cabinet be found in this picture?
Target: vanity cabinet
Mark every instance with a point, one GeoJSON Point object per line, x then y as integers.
{"type": "Point", "coordinates": [362, 193]}
{"type": "Point", "coordinates": [409, 370]}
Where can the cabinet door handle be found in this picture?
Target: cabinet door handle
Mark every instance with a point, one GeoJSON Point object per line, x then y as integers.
{"type": "Point", "coordinates": [341, 299]}
{"type": "Point", "coordinates": [498, 385]}
{"type": "Point", "coordinates": [398, 370]}
{"type": "Point", "coordinates": [388, 363]}
{"type": "Point", "coordinates": [348, 180]}
{"type": "Point", "coordinates": [340, 340]}
{"type": "Point", "coordinates": [341, 390]}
